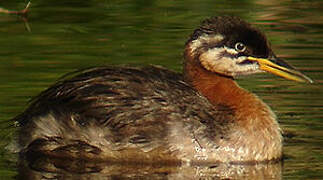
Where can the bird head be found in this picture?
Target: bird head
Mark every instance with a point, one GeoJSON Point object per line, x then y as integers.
{"type": "Point", "coordinates": [231, 47]}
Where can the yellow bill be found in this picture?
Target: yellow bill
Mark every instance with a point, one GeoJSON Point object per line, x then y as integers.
{"type": "Point", "coordinates": [280, 70]}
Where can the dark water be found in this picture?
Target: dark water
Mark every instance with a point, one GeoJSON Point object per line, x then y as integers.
{"type": "Point", "coordinates": [62, 36]}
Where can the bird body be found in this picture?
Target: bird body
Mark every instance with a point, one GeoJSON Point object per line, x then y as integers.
{"type": "Point", "coordinates": [156, 115]}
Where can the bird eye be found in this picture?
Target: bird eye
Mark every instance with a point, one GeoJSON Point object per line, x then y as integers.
{"type": "Point", "coordinates": [240, 47]}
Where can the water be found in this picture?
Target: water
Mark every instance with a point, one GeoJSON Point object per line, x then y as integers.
{"type": "Point", "coordinates": [68, 35]}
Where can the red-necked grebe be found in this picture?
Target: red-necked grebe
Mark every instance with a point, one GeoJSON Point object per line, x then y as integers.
{"type": "Point", "coordinates": [154, 114]}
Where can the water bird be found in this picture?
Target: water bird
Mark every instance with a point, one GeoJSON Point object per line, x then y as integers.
{"type": "Point", "coordinates": [152, 114]}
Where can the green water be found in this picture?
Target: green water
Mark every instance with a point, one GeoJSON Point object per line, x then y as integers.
{"type": "Point", "coordinates": [66, 35]}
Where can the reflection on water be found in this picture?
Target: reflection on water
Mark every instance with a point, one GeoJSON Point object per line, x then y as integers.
{"type": "Point", "coordinates": [44, 168]}
{"type": "Point", "coordinates": [68, 35]}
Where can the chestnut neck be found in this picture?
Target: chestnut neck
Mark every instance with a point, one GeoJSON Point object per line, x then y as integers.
{"type": "Point", "coordinates": [217, 88]}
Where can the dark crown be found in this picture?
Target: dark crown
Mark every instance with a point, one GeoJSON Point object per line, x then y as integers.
{"type": "Point", "coordinates": [234, 30]}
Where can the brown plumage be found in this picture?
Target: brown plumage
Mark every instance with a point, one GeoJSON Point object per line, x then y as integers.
{"type": "Point", "coordinates": [156, 115]}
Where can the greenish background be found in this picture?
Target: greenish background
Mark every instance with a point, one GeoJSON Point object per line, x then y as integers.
{"type": "Point", "coordinates": [66, 35]}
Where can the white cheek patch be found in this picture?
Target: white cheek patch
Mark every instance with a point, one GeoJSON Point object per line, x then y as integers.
{"type": "Point", "coordinates": [229, 50]}
{"type": "Point", "coordinates": [205, 39]}
{"type": "Point", "coordinates": [213, 60]}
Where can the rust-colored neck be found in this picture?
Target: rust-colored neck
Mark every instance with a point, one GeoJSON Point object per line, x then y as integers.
{"type": "Point", "coordinates": [255, 131]}
{"type": "Point", "coordinates": [222, 90]}
{"type": "Point", "coordinates": [218, 89]}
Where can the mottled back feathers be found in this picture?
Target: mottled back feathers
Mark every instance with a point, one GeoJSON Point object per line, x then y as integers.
{"type": "Point", "coordinates": [131, 105]}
